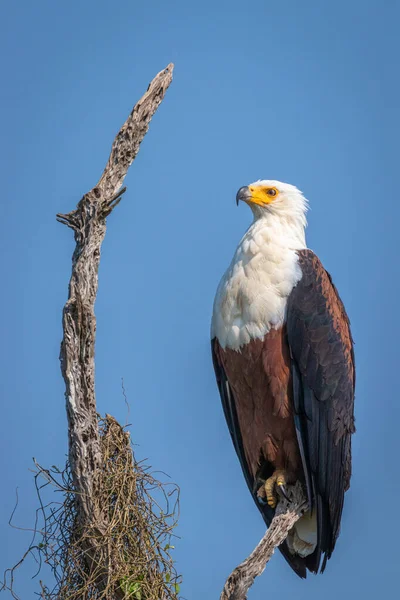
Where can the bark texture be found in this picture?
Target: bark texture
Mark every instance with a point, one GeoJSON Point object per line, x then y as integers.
{"type": "Point", "coordinates": [88, 221]}
{"type": "Point", "coordinates": [287, 513]}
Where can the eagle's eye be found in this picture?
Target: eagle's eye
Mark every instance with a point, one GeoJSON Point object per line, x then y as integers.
{"type": "Point", "coordinates": [271, 192]}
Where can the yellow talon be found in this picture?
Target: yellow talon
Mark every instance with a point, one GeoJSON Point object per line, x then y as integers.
{"type": "Point", "coordinates": [278, 478]}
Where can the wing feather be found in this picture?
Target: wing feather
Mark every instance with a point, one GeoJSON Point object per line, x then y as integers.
{"type": "Point", "coordinates": [323, 373]}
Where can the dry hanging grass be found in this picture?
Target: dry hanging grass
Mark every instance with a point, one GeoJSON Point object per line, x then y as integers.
{"type": "Point", "coordinates": [141, 515]}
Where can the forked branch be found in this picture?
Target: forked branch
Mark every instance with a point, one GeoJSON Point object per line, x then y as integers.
{"type": "Point", "coordinates": [77, 349]}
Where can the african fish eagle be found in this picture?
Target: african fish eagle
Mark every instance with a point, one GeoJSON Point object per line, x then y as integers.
{"type": "Point", "coordinates": [284, 362]}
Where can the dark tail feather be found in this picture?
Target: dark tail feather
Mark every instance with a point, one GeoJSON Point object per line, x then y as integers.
{"type": "Point", "coordinates": [297, 563]}
{"type": "Point", "coordinates": [324, 532]}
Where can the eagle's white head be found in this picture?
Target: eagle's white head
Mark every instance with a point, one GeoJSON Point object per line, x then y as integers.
{"type": "Point", "coordinates": [269, 197]}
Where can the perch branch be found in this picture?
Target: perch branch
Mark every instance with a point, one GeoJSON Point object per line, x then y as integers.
{"type": "Point", "coordinates": [287, 513]}
{"type": "Point", "coordinates": [88, 221]}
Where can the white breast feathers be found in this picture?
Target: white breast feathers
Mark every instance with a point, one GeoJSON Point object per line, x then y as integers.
{"type": "Point", "coordinates": [252, 295]}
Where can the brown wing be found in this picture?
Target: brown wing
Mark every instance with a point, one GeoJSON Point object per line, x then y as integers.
{"type": "Point", "coordinates": [323, 374]}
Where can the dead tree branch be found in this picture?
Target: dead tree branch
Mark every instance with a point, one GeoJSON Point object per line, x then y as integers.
{"type": "Point", "coordinates": [88, 221]}
{"type": "Point", "coordinates": [242, 578]}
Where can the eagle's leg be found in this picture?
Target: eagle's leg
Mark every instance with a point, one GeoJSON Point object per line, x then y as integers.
{"type": "Point", "coordinates": [277, 481]}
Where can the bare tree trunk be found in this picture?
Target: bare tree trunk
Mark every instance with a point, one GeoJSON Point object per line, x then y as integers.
{"type": "Point", "coordinates": [88, 221]}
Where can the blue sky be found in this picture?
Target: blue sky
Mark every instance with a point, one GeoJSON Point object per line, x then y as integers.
{"type": "Point", "coordinates": [304, 92]}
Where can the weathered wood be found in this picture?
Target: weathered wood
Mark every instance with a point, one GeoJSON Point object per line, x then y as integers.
{"type": "Point", "coordinates": [88, 221]}
{"type": "Point", "coordinates": [242, 578]}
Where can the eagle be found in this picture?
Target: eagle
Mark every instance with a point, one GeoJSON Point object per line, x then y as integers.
{"type": "Point", "coordinates": [284, 362]}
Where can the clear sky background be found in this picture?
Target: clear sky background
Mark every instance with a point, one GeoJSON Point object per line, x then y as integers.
{"type": "Point", "coordinates": [305, 92]}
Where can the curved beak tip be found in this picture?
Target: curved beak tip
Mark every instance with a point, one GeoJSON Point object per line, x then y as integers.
{"type": "Point", "coordinates": [243, 194]}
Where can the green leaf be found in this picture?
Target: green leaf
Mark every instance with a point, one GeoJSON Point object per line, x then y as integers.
{"type": "Point", "coordinates": [177, 587]}
{"type": "Point", "coordinates": [168, 577]}
{"type": "Point", "coordinates": [41, 545]}
{"type": "Point", "coordinates": [169, 547]}
{"type": "Point", "coordinates": [132, 589]}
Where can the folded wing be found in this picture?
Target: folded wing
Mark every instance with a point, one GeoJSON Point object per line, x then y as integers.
{"type": "Point", "coordinates": [323, 378]}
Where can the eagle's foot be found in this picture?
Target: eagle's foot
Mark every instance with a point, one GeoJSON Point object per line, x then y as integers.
{"type": "Point", "coordinates": [274, 484]}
